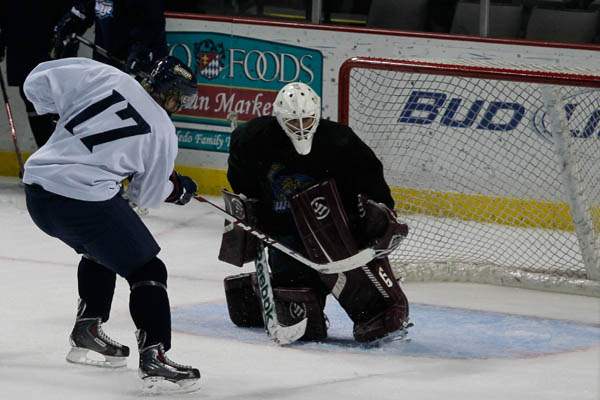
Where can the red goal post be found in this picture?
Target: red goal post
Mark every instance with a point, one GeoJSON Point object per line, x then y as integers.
{"type": "Point", "coordinates": [496, 169]}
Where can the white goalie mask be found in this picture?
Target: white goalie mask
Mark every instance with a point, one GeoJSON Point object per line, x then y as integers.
{"type": "Point", "coordinates": [298, 109]}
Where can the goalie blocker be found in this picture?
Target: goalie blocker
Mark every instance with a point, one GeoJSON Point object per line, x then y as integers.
{"type": "Point", "coordinates": [370, 295]}
{"type": "Point", "coordinates": [237, 245]}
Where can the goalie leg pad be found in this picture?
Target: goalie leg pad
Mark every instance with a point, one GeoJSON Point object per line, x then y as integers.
{"type": "Point", "coordinates": [370, 295]}
{"type": "Point", "coordinates": [295, 304]}
{"type": "Point", "coordinates": [324, 229]}
{"type": "Point", "coordinates": [292, 305]}
{"type": "Point", "coordinates": [242, 300]}
{"type": "Point", "coordinates": [322, 223]}
{"type": "Point", "coordinates": [374, 300]}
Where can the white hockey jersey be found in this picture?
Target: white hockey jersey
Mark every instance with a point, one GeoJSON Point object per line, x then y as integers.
{"type": "Point", "coordinates": [109, 129]}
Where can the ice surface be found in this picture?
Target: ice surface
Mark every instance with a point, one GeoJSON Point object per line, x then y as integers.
{"type": "Point", "coordinates": [469, 342]}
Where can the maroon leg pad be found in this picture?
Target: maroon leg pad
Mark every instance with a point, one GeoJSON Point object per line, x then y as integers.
{"type": "Point", "coordinates": [385, 309]}
{"type": "Point", "coordinates": [370, 294]}
{"type": "Point", "coordinates": [323, 223]}
{"type": "Point", "coordinates": [294, 304]}
{"type": "Point", "coordinates": [242, 300]}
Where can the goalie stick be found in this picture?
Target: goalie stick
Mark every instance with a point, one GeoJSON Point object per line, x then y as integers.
{"type": "Point", "coordinates": [11, 123]}
{"type": "Point", "coordinates": [335, 267]}
{"type": "Point", "coordinates": [280, 334]}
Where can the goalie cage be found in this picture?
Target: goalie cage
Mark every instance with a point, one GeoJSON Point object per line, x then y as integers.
{"type": "Point", "coordinates": [495, 170]}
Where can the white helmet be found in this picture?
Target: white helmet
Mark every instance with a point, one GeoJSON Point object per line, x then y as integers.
{"type": "Point", "coordinates": [298, 109]}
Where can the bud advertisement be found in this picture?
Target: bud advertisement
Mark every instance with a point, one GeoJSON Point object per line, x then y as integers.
{"type": "Point", "coordinates": [238, 79]}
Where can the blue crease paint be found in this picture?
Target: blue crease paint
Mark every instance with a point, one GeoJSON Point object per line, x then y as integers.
{"type": "Point", "coordinates": [439, 332]}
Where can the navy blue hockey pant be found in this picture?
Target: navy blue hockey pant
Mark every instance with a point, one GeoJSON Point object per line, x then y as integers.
{"type": "Point", "coordinates": [113, 240]}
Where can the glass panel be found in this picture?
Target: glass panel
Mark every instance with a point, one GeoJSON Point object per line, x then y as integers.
{"type": "Point", "coordinates": [575, 21]}
{"type": "Point", "coordinates": [272, 9]}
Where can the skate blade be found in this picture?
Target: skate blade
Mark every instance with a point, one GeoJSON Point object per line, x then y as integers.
{"type": "Point", "coordinates": [399, 336]}
{"type": "Point", "coordinates": [78, 355]}
{"type": "Point", "coordinates": [160, 385]}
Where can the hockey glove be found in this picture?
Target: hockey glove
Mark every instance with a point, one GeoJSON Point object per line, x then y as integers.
{"type": "Point", "coordinates": [140, 58]}
{"type": "Point", "coordinates": [184, 189]}
{"type": "Point", "coordinates": [74, 22]}
{"type": "Point", "coordinates": [380, 227]}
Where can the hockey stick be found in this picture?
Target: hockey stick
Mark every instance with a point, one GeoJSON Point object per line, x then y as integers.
{"type": "Point", "coordinates": [11, 122]}
{"type": "Point", "coordinates": [103, 52]}
{"type": "Point", "coordinates": [335, 267]}
{"type": "Point", "coordinates": [280, 334]}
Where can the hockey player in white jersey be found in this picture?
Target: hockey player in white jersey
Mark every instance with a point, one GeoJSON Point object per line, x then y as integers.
{"type": "Point", "coordinates": [111, 127]}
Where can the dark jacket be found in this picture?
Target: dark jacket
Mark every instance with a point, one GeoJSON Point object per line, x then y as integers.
{"type": "Point", "coordinates": [28, 26]}
{"type": "Point", "coordinates": [121, 24]}
{"type": "Point", "coordinates": [263, 164]}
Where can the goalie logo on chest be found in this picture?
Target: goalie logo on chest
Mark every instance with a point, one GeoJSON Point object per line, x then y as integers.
{"type": "Point", "coordinates": [284, 184]}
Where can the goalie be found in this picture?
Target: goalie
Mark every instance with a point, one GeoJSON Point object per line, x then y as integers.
{"type": "Point", "coordinates": [313, 185]}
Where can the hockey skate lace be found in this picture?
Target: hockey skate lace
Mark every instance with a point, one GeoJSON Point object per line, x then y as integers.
{"type": "Point", "coordinates": [107, 338]}
{"type": "Point", "coordinates": [176, 365]}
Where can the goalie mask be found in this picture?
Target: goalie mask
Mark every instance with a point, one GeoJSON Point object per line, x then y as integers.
{"type": "Point", "coordinates": [298, 109]}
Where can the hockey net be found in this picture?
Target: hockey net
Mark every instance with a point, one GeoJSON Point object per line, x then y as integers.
{"type": "Point", "coordinates": [496, 170]}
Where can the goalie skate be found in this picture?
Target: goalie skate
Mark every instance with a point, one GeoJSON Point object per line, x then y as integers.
{"type": "Point", "coordinates": [389, 325]}
{"type": "Point", "coordinates": [400, 335]}
{"type": "Point", "coordinates": [91, 346]}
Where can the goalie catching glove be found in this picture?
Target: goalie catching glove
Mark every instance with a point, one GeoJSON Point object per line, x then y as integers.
{"type": "Point", "coordinates": [184, 189]}
{"type": "Point", "coordinates": [380, 226]}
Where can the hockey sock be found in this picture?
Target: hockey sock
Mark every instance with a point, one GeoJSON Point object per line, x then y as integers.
{"type": "Point", "coordinates": [149, 303]}
{"type": "Point", "coordinates": [96, 285]}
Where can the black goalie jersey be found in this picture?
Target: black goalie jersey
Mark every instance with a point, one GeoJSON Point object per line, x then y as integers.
{"type": "Point", "coordinates": [264, 165]}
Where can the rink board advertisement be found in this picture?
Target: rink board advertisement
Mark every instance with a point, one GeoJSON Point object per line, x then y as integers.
{"type": "Point", "coordinates": [238, 79]}
{"type": "Point", "coordinates": [243, 50]}
{"type": "Point", "coordinates": [431, 128]}
{"type": "Point", "coordinates": [203, 140]}
{"type": "Point", "coordinates": [240, 65]}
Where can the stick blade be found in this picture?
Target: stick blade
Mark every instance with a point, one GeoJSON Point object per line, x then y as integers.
{"type": "Point", "coordinates": [283, 335]}
{"type": "Point", "coordinates": [359, 259]}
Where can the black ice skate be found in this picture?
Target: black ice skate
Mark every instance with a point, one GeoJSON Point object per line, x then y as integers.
{"type": "Point", "coordinates": [161, 375]}
{"type": "Point", "coordinates": [91, 346]}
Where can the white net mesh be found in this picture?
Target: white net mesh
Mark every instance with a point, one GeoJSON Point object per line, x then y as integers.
{"type": "Point", "coordinates": [478, 175]}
